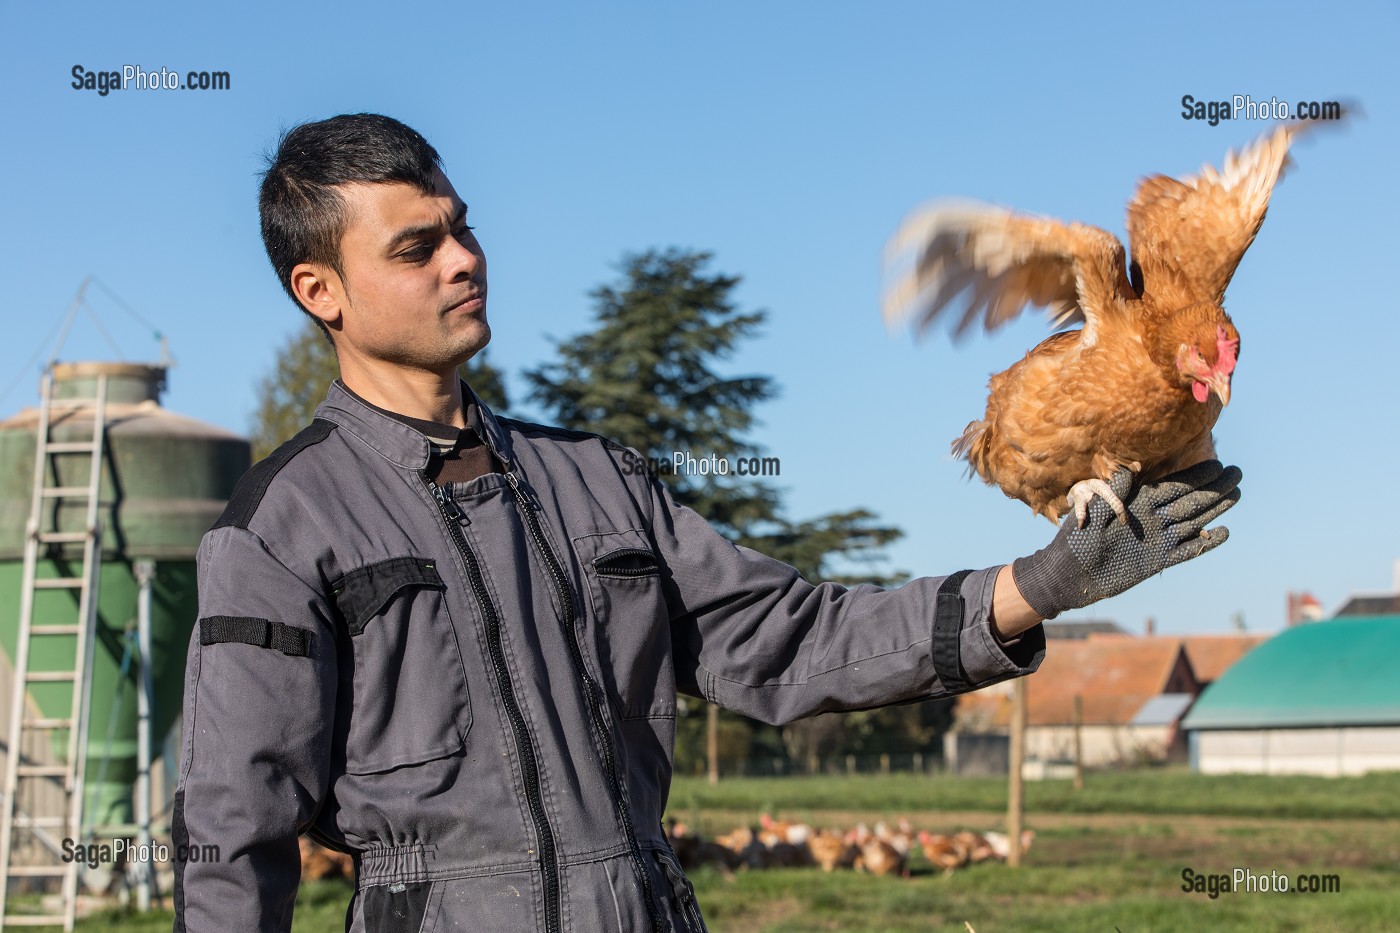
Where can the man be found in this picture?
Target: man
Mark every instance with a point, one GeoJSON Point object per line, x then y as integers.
{"type": "Point", "coordinates": [450, 643]}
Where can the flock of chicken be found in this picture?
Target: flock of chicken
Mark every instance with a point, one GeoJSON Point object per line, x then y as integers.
{"type": "Point", "coordinates": [883, 850]}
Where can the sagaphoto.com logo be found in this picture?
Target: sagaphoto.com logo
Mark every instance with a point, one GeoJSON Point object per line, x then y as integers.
{"type": "Point", "coordinates": [134, 77]}
{"type": "Point", "coordinates": [1244, 107]}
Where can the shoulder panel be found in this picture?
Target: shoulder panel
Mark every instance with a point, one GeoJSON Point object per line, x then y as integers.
{"type": "Point", "coordinates": [527, 427]}
{"type": "Point", "coordinates": [248, 494]}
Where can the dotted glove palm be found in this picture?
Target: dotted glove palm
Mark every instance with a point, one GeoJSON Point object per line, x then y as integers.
{"type": "Point", "coordinates": [1164, 526]}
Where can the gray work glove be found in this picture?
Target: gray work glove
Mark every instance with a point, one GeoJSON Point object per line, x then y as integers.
{"type": "Point", "coordinates": [1107, 556]}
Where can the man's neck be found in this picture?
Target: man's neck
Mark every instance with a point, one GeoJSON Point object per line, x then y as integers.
{"type": "Point", "coordinates": [415, 393]}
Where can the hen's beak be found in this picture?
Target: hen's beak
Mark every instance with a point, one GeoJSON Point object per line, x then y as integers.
{"type": "Point", "coordinates": [1219, 383]}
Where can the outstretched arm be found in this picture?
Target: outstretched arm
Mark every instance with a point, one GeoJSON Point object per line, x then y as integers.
{"type": "Point", "coordinates": [751, 635]}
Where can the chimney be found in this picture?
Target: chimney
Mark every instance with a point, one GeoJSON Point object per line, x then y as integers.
{"type": "Point", "coordinates": [1149, 628]}
{"type": "Point", "coordinates": [1303, 607]}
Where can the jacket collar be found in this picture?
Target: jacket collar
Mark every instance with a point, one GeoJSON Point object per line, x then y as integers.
{"type": "Point", "coordinates": [393, 439]}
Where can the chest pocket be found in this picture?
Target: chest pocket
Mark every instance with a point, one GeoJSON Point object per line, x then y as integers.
{"type": "Point", "coordinates": [407, 685]}
{"type": "Point", "coordinates": [629, 625]}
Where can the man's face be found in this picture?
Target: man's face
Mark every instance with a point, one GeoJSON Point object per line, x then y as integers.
{"type": "Point", "coordinates": [414, 288]}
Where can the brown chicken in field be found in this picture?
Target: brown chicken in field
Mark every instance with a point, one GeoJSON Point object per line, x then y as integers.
{"type": "Point", "coordinates": [1142, 383]}
{"type": "Point", "coordinates": [878, 857]}
{"type": "Point", "coordinates": [774, 831]}
{"type": "Point", "coordinates": [875, 855]}
{"type": "Point", "coordinates": [831, 850]}
{"type": "Point", "coordinates": [945, 852]}
{"type": "Point", "coordinates": [976, 845]}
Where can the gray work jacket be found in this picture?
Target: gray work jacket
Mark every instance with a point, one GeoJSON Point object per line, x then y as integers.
{"type": "Point", "coordinates": [472, 689]}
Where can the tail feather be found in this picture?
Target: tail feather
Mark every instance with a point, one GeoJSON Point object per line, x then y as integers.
{"type": "Point", "coordinates": [971, 446]}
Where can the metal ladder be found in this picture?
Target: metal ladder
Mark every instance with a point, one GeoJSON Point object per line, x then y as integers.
{"type": "Point", "coordinates": [18, 826]}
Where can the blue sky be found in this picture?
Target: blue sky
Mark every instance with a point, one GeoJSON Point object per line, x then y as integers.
{"type": "Point", "coordinates": [789, 139]}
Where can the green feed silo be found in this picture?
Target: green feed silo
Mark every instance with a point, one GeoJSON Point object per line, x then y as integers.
{"type": "Point", "coordinates": [165, 480]}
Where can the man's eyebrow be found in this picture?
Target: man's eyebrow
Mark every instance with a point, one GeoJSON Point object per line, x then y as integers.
{"type": "Point", "coordinates": [409, 234]}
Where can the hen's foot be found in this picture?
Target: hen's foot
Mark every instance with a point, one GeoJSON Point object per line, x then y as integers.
{"type": "Point", "coordinates": [1083, 492]}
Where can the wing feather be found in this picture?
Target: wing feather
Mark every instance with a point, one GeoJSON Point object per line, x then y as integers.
{"type": "Point", "coordinates": [1189, 235]}
{"type": "Point", "coordinates": [1002, 262]}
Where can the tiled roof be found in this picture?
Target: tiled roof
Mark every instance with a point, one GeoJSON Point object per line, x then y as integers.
{"type": "Point", "coordinates": [1113, 675]}
{"type": "Point", "coordinates": [1212, 655]}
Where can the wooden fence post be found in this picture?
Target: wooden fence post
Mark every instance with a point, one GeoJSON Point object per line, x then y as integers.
{"type": "Point", "coordinates": [712, 741]}
{"type": "Point", "coordinates": [1015, 804]}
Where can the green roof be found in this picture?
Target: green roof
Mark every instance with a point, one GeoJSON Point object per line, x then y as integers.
{"type": "Point", "coordinates": [1339, 672]}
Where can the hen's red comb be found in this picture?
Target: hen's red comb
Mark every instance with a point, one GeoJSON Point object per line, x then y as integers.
{"type": "Point", "coordinates": [1226, 351]}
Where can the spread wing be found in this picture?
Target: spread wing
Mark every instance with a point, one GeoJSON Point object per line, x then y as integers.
{"type": "Point", "coordinates": [1189, 235]}
{"type": "Point", "coordinates": [1004, 261]}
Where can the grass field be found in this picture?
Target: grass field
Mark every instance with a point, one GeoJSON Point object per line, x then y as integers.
{"type": "Point", "coordinates": [1108, 857]}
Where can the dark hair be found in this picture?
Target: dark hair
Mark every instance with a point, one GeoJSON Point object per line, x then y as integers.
{"type": "Point", "coordinates": [302, 214]}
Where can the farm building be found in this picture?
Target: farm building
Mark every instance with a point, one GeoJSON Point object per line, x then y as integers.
{"type": "Point", "coordinates": [1133, 693]}
{"type": "Point", "coordinates": [1316, 699]}
{"type": "Point", "coordinates": [1371, 604]}
{"type": "Point", "coordinates": [1213, 655]}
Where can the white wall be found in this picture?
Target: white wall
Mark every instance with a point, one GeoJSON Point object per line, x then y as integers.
{"type": "Point", "coordinates": [1335, 751]}
{"type": "Point", "coordinates": [1102, 744]}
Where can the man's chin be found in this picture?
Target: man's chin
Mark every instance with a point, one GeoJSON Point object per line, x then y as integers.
{"type": "Point", "coordinates": [477, 343]}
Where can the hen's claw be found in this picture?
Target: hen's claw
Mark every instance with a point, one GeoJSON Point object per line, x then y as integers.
{"type": "Point", "coordinates": [1083, 492]}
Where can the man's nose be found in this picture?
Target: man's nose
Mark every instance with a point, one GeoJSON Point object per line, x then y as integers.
{"type": "Point", "coordinates": [464, 260]}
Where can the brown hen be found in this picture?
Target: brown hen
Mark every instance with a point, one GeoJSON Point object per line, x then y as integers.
{"type": "Point", "coordinates": [831, 850]}
{"type": "Point", "coordinates": [1142, 383]}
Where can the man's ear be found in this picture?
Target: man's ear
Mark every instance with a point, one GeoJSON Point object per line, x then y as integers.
{"type": "Point", "coordinates": [320, 292]}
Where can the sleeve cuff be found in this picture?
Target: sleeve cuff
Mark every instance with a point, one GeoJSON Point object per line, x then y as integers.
{"type": "Point", "coordinates": [984, 657]}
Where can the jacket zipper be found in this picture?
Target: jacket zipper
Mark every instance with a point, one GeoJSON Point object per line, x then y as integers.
{"type": "Point", "coordinates": [611, 569]}
{"type": "Point", "coordinates": [683, 890]}
{"type": "Point", "coordinates": [529, 767]}
{"type": "Point", "coordinates": [591, 691]}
